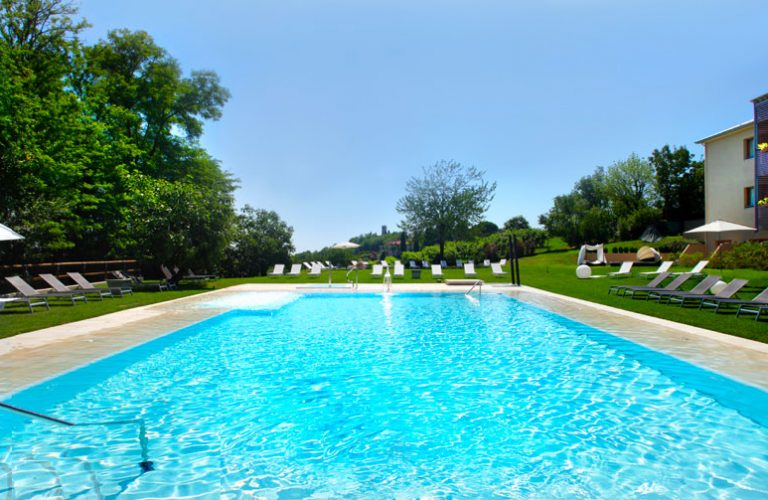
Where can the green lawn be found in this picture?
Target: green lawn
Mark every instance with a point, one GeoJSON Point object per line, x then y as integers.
{"type": "Point", "coordinates": [553, 271]}
{"type": "Point", "coordinates": [15, 319]}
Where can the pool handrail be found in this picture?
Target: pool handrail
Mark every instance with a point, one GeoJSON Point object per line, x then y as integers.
{"type": "Point", "coordinates": [146, 464]}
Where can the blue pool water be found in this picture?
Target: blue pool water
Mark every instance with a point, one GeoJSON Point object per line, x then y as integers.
{"type": "Point", "coordinates": [402, 395]}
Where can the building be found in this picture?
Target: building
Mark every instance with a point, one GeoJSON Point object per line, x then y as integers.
{"type": "Point", "coordinates": [736, 173]}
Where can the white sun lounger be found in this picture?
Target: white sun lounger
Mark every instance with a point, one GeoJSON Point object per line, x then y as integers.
{"type": "Point", "coordinates": [437, 271]}
{"type": "Point", "coordinates": [316, 269]}
{"type": "Point", "coordinates": [295, 270]}
{"type": "Point", "coordinates": [278, 270]}
{"type": "Point", "coordinates": [496, 270]}
{"type": "Point", "coordinates": [698, 268]}
{"type": "Point", "coordinates": [399, 270]}
{"type": "Point", "coordinates": [663, 268]}
{"type": "Point", "coordinates": [469, 270]}
{"type": "Point", "coordinates": [624, 271]}
{"type": "Point", "coordinates": [377, 271]}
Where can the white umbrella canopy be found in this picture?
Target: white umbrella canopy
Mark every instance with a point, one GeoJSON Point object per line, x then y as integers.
{"type": "Point", "coordinates": [8, 234]}
{"type": "Point", "coordinates": [346, 245]}
{"type": "Point", "coordinates": [719, 226]}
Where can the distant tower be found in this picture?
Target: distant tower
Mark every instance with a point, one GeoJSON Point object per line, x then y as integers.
{"type": "Point", "coordinates": [384, 230]}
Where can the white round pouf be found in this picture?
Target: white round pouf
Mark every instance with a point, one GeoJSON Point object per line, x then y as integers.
{"type": "Point", "coordinates": [583, 271]}
{"type": "Point", "coordinates": [718, 287]}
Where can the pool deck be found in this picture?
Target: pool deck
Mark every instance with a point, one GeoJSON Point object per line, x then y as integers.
{"type": "Point", "coordinates": [30, 358]}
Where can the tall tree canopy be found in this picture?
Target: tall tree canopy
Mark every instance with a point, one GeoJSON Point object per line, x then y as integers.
{"type": "Point", "coordinates": [445, 201]}
{"type": "Point", "coordinates": [261, 239]}
{"type": "Point", "coordinates": [516, 222]}
{"type": "Point", "coordinates": [680, 181]}
{"type": "Point", "coordinates": [99, 150]}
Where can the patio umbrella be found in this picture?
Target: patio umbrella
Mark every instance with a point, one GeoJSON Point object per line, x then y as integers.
{"type": "Point", "coordinates": [7, 234]}
{"type": "Point", "coordinates": [346, 245]}
{"type": "Point", "coordinates": [717, 227]}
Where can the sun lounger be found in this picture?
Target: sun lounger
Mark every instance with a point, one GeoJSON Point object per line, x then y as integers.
{"type": "Point", "coordinates": [497, 271]}
{"type": "Point", "coordinates": [487, 263]}
{"type": "Point", "coordinates": [26, 290]}
{"type": "Point", "coordinates": [443, 264]}
{"type": "Point", "coordinates": [384, 264]}
{"type": "Point", "coordinates": [624, 271]}
{"type": "Point", "coordinates": [399, 270]}
{"type": "Point", "coordinates": [653, 285]}
{"type": "Point", "coordinates": [169, 282]}
{"type": "Point", "coordinates": [122, 276]}
{"type": "Point", "coordinates": [726, 293]}
{"type": "Point", "coordinates": [27, 300]}
{"type": "Point", "coordinates": [699, 289]}
{"type": "Point", "coordinates": [316, 270]}
{"type": "Point", "coordinates": [88, 287]}
{"type": "Point", "coordinates": [756, 306]}
{"type": "Point", "coordinates": [761, 299]}
{"type": "Point", "coordinates": [191, 275]}
{"type": "Point", "coordinates": [424, 264]}
{"type": "Point", "coordinates": [412, 264]}
{"type": "Point", "coordinates": [60, 287]}
{"type": "Point", "coordinates": [459, 263]}
{"type": "Point", "coordinates": [663, 268]}
{"type": "Point", "coordinates": [437, 271]}
{"type": "Point", "coordinates": [278, 270]}
{"type": "Point", "coordinates": [377, 271]}
{"type": "Point", "coordinates": [295, 270]}
{"type": "Point", "coordinates": [503, 262]}
{"type": "Point", "coordinates": [698, 268]}
{"type": "Point", "coordinates": [469, 270]}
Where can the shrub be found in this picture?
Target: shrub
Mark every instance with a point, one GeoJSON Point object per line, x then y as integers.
{"type": "Point", "coordinates": [408, 256]}
{"type": "Point", "coordinates": [750, 255]}
{"type": "Point", "coordinates": [430, 253]}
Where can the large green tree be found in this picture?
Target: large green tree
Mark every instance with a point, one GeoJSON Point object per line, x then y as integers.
{"type": "Point", "coordinates": [680, 183]}
{"type": "Point", "coordinates": [99, 145]}
{"type": "Point", "coordinates": [445, 201]}
{"type": "Point", "coordinates": [261, 239]}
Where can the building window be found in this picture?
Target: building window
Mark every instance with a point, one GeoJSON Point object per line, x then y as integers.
{"type": "Point", "coordinates": [749, 148]}
{"type": "Point", "coordinates": [749, 197]}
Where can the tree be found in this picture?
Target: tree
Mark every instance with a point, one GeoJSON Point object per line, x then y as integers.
{"type": "Point", "coordinates": [680, 183]}
{"type": "Point", "coordinates": [447, 199]}
{"type": "Point", "coordinates": [630, 185]}
{"type": "Point", "coordinates": [517, 222]}
{"type": "Point", "coordinates": [483, 228]}
{"type": "Point", "coordinates": [261, 239]}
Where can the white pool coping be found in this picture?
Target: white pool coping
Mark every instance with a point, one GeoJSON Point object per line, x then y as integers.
{"type": "Point", "coordinates": [33, 357]}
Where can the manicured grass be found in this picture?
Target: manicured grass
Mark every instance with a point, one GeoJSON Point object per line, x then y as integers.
{"type": "Point", "coordinates": [554, 271]}
{"type": "Point", "coordinates": [16, 318]}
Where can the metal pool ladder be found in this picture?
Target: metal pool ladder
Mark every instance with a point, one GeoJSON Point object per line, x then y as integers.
{"type": "Point", "coordinates": [479, 285]}
{"type": "Point", "coordinates": [146, 464]}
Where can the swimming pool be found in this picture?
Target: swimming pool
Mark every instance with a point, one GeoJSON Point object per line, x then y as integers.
{"type": "Point", "coordinates": [408, 395]}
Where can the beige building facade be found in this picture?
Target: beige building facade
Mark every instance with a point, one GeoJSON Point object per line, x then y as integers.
{"type": "Point", "coordinates": [729, 175]}
{"type": "Point", "coordinates": [733, 177]}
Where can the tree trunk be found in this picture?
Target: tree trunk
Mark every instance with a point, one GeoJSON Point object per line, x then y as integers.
{"type": "Point", "coordinates": [442, 248]}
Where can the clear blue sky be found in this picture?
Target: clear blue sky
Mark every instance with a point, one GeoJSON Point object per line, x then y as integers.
{"type": "Point", "coordinates": [336, 103]}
